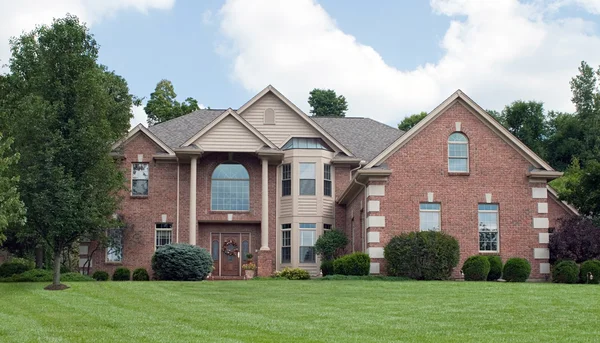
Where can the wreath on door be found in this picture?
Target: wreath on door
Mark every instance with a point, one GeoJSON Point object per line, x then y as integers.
{"type": "Point", "coordinates": [230, 247]}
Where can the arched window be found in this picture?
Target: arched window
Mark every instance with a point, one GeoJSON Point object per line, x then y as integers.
{"type": "Point", "coordinates": [230, 189]}
{"type": "Point", "coordinates": [458, 153]}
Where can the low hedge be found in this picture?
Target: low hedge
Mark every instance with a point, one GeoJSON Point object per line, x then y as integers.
{"type": "Point", "coordinates": [45, 275]}
{"type": "Point", "coordinates": [15, 266]}
{"type": "Point", "coordinates": [357, 263]}
{"type": "Point", "coordinates": [72, 276]}
{"type": "Point", "coordinates": [327, 267]}
{"type": "Point", "coordinates": [495, 268]}
{"type": "Point", "coordinates": [121, 274]}
{"type": "Point", "coordinates": [292, 274]}
{"type": "Point", "coordinates": [566, 271]}
{"type": "Point", "coordinates": [516, 269]}
{"type": "Point", "coordinates": [100, 275]}
{"type": "Point", "coordinates": [476, 268]}
{"type": "Point", "coordinates": [140, 274]}
{"type": "Point", "coordinates": [590, 266]}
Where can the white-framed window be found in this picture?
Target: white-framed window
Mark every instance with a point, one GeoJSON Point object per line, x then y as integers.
{"type": "Point", "coordinates": [307, 179]}
{"type": "Point", "coordinates": [140, 173]}
{"type": "Point", "coordinates": [488, 227]}
{"type": "Point", "coordinates": [286, 179]}
{"type": "Point", "coordinates": [164, 234]}
{"type": "Point", "coordinates": [458, 153]}
{"type": "Point", "coordinates": [430, 216]}
{"type": "Point", "coordinates": [230, 188]}
{"type": "Point", "coordinates": [308, 237]}
{"type": "Point", "coordinates": [114, 245]}
{"type": "Point", "coordinates": [286, 243]}
{"type": "Point", "coordinates": [326, 227]}
{"type": "Point", "coordinates": [327, 180]}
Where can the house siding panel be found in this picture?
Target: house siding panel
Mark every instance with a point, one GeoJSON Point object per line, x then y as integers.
{"type": "Point", "coordinates": [229, 135]}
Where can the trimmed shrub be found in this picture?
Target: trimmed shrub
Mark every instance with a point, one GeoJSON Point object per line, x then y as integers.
{"type": "Point", "coordinates": [121, 274]}
{"type": "Point", "coordinates": [427, 255]}
{"type": "Point", "coordinates": [516, 269]}
{"type": "Point", "coordinates": [495, 267]}
{"type": "Point", "coordinates": [577, 239]}
{"type": "Point", "coordinates": [293, 274]}
{"type": "Point", "coordinates": [72, 276]}
{"type": "Point", "coordinates": [476, 268]}
{"type": "Point", "coordinates": [100, 275]}
{"type": "Point", "coordinates": [140, 274]}
{"type": "Point", "coordinates": [181, 262]}
{"type": "Point", "coordinates": [15, 266]}
{"type": "Point", "coordinates": [357, 263]}
{"type": "Point", "coordinates": [593, 267]}
{"type": "Point", "coordinates": [330, 245]}
{"type": "Point", "coordinates": [34, 275]}
{"type": "Point", "coordinates": [327, 267]}
{"type": "Point", "coordinates": [565, 271]}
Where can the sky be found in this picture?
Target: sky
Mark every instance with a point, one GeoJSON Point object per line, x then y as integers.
{"type": "Point", "coordinates": [389, 59]}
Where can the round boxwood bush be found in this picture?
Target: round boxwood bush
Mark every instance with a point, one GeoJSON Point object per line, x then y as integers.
{"type": "Point", "coordinates": [516, 269]}
{"type": "Point", "coordinates": [495, 267]}
{"type": "Point", "coordinates": [181, 262]}
{"type": "Point", "coordinates": [476, 268]}
{"type": "Point", "coordinates": [357, 263]}
{"type": "Point", "coordinates": [140, 274]}
{"type": "Point", "coordinates": [592, 267]}
{"type": "Point", "coordinates": [427, 255]}
{"type": "Point", "coordinates": [100, 275]}
{"type": "Point", "coordinates": [566, 271]}
{"type": "Point", "coordinates": [327, 267]}
{"type": "Point", "coordinates": [330, 245]}
{"type": "Point", "coordinates": [121, 274]}
{"type": "Point", "coordinates": [15, 266]}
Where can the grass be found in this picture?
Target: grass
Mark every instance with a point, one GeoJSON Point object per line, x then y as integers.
{"type": "Point", "coordinates": [300, 311]}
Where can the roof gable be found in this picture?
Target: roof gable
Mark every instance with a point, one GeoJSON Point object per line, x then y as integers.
{"type": "Point", "coordinates": [476, 110]}
{"type": "Point", "coordinates": [141, 129]}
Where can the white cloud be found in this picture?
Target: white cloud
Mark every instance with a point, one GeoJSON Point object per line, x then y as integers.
{"type": "Point", "coordinates": [495, 51]}
{"type": "Point", "coordinates": [139, 116]}
{"type": "Point", "coordinates": [23, 15]}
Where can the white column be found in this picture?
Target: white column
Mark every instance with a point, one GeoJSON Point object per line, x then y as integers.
{"type": "Point", "coordinates": [264, 223]}
{"type": "Point", "coordinates": [193, 221]}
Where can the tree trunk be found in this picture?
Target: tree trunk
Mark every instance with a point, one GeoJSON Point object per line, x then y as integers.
{"type": "Point", "coordinates": [39, 257]}
{"type": "Point", "coordinates": [56, 271]}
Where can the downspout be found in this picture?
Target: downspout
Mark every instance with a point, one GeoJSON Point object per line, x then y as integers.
{"type": "Point", "coordinates": [177, 227]}
{"type": "Point", "coordinates": [363, 221]}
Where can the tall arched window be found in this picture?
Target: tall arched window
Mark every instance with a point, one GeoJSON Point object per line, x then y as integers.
{"type": "Point", "coordinates": [458, 153]}
{"type": "Point", "coordinates": [230, 189]}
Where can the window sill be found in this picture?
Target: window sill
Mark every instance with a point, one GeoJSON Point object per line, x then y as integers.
{"type": "Point", "coordinates": [489, 252]}
{"type": "Point", "coordinates": [458, 173]}
{"type": "Point", "coordinates": [227, 211]}
{"type": "Point", "coordinates": [138, 196]}
{"type": "Point", "coordinates": [113, 263]}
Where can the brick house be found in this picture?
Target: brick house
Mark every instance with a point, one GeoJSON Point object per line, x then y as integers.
{"type": "Point", "coordinates": [267, 179]}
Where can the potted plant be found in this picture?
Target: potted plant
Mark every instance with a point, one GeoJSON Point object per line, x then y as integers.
{"type": "Point", "coordinates": [249, 258]}
{"type": "Point", "coordinates": [249, 269]}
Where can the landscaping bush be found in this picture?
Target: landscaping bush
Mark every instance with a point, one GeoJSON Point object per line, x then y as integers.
{"type": "Point", "coordinates": [565, 271]}
{"type": "Point", "coordinates": [476, 268]}
{"type": "Point", "coordinates": [577, 239]}
{"type": "Point", "coordinates": [330, 245]}
{"type": "Point", "coordinates": [15, 266]}
{"type": "Point", "coordinates": [293, 274]}
{"type": "Point", "coordinates": [34, 275]}
{"type": "Point", "coordinates": [100, 275]}
{"type": "Point", "coordinates": [495, 268]}
{"type": "Point", "coordinates": [591, 266]}
{"type": "Point", "coordinates": [427, 255]}
{"type": "Point", "coordinates": [140, 274]}
{"type": "Point", "coordinates": [357, 263]}
{"type": "Point", "coordinates": [72, 276]}
{"type": "Point", "coordinates": [121, 274]}
{"type": "Point", "coordinates": [181, 262]}
{"type": "Point", "coordinates": [327, 267]}
{"type": "Point", "coordinates": [516, 270]}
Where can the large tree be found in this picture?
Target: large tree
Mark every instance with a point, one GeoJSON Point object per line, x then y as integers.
{"type": "Point", "coordinates": [410, 121]}
{"type": "Point", "coordinates": [526, 120]}
{"type": "Point", "coordinates": [163, 105]}
{"type": "Point", "coordinates": [11, 207]}
{"type": "Point", "coordinates": [65, 111]}
{"type": "Point", "coordinates": [326, 103]}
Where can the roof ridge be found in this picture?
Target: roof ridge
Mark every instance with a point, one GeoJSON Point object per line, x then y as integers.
{"type": "Point", "coordinates": [189, 114]}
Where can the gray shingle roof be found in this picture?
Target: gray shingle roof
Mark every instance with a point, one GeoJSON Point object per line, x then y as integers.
{"type": "Point", "coordinates": [176, 131]}
{"type": "Point", "coordinates": [364, 137]}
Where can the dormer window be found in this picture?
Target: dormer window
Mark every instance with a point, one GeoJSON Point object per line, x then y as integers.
{"type": "Point", "coordinates": [458, 153]}
{"type": "Point", "coordinates": [305, 143]}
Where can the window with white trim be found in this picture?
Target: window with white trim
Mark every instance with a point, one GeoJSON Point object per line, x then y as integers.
{"type": "Point", "coordinates": [307, 179]}
{"type": "Point", "coordinates": [164, 234]}
{"type": "Point", "coordinates": [308, 237]}
{"type": "Point", "coordinates": [430, 216]}
{"type": "Point", "coordinates": [458, 153]}
{"type": "Point", "coordinates": [488, 227]}
{"type": "Point", "coordinates": [286, 179]}
{"type": "Point", "coordinates": [114, 246]}
{"type": "Point", "coordinates": [230, 188]}
{"type": "Point", "coordinates": [139, 178]}
{"type": "Point", "coordinates": [327, 180]}
{"type": "Point", "coordinates": [286, 243]}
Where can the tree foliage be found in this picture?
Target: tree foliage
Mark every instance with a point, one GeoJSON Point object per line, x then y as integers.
{"type": "Point", "coordinates": [330, 245]}
{"type": "Point", "coordinates": [11, 206]}
{"type": "Point", "coordinates": [410, 121]}
{"type": "Point", "coordinates": [526, 120]}
{"type": "Point", "coordinates": [163, 105]}
{"type": "Point", "coordinates": [577, 239]}
{"type": "Point", "coordinates": [65, 111]}
{"type": "Point", "coordinates": [326, 103]}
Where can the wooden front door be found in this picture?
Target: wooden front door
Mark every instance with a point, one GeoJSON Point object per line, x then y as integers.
{"type": "Point", "coordinates": [230, 254]}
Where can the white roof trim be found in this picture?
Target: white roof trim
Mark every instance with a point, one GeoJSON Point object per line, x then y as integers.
{"type": "Point", "coordinates": [564, 204]}
{"type": "Point", "coordinates": [486, 118]}
{"type": "Point", "coordinates": [143, 129]}
{"type": "Point", "coordinates": [298, 111]}
{"type": "Point", "coordinates": [237, 117]}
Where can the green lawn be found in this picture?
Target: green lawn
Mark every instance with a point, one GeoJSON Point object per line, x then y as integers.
{"type": "Point", "coordinates": [300, 311]}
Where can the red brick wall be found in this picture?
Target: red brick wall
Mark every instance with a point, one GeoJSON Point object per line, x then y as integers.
{"type": "Point", "coordinates": [420, 167]}
{"type": "Point", "coordinates": [354, 222]}
{"type": "Point", "coordinates": [556, 212]}
{"type": "Point", "coordinates": [342, 180]}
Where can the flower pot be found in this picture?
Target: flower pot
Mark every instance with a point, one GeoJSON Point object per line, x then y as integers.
{"type": "Point", "coordinates": [249, 273]}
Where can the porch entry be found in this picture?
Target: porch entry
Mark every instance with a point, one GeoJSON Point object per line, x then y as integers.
{"type": "Point", "coordinates": [229, 251]}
